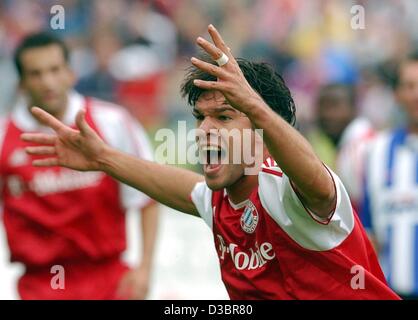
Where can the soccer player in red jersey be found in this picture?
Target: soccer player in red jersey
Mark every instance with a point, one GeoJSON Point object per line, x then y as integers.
{"type": "Point", "coordinates": [68, 227]}
{"type": "Point", "coordinates": [287, 232]}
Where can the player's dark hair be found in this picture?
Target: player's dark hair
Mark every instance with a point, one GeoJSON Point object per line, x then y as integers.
{"type": "Point", "coordinates": [411, 57]}
{"type": "Point", "coordinates": [36, 40]}
{"type": "Point", "coordinates": [328, 91]}
{"type": "Point", "coordinates": [261, 77]}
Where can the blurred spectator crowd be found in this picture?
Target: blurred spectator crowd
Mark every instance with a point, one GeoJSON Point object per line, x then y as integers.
{"type": "Point", "coordinates": [135, 51]}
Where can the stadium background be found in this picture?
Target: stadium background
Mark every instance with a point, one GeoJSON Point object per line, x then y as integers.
{"type": "Point", "coordinates": [135, 52]}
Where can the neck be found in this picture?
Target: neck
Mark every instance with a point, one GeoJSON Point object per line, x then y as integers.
{"type": "Point", "coordinates": [57, 113]}
{"type": "Point", "coordinates": [241, 189]}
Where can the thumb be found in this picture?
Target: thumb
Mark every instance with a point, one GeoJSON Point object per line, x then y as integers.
{"type": "Point", "coordinates": [81, 123]}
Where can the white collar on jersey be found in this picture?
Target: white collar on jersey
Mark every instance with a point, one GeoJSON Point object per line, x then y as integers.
{"type": "Point", "coordinates": [238, 205]}
{"type": "Point", "coordinates": [24, 120]}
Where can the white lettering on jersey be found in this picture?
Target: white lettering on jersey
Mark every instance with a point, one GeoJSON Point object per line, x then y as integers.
{"type": "Point", "coordinates": [255, 259]}
{"type": "Point", "coordinates": [46, 182]}
{"type": "Point", "coordinates": [49, 182]}
{"type": "Point", "coordinates": [18, 158]}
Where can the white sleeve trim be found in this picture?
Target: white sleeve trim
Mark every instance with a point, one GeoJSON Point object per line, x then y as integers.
{"type": "Point", "coordinates": [124, 133]}
{"type": "Point", "coordinates": [284, 206]}
{"type": "Point", "coordinates": [202, 198]}
{"type": "Point", "coordinates": [309, 211]}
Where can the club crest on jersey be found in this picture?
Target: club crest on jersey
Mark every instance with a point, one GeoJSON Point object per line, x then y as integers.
{"type": "Point", "coordinates": [249, 218]}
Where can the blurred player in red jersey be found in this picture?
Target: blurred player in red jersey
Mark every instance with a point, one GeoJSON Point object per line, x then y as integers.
{"type": "Point", "coordinates": [287, 232]}
{"type": "Point", "coordinates": [57, 216]}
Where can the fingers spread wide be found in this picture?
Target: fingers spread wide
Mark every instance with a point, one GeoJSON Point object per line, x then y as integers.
{"type": "Point", "coordinates": [80, 121]}
{"type": "Point", "coordinates": [218, 41]}
{"type": "Point", "coordinates": [41, 138]}
{"type": "Point", "coordinates": [48, 162]}
{"type": "Point", "coordinates": [210, 48]}
{"type": "Point", "coordinates": [47, 119]}
{"type": "Point", "coordinates": [41, 150]}
{"type": "Point", "coordinates": [209, 68]}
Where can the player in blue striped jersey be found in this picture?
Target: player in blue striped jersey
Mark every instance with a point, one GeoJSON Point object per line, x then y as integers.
{"type": "Point", "coordinates": [390, 206]}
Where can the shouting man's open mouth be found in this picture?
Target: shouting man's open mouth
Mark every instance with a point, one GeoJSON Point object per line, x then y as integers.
{"type": "Point", "coordinates": [213, 157]}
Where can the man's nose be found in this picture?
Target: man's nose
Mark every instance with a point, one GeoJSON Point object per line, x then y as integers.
{"type": "Point", "coordinates": [207, 125]}
{"type": "Point", "coordinates": [47, 80]}
{"type": "Point", "coordinates": [207, 131]}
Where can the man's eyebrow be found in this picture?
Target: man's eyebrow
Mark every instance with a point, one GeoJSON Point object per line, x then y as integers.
{"type": "Point", "coordinates": [225, 107]}
{"type": "Point", "coordinates": [220, 108]}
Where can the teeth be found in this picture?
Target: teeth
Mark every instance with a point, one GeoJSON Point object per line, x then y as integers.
{"type": "Point", "coordinates": [210, 148]}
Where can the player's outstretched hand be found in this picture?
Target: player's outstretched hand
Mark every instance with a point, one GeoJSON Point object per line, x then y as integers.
{"type": "Point", "coordinates": [76, 149]}
{"type": "Point", "coordinates": [230, 79]}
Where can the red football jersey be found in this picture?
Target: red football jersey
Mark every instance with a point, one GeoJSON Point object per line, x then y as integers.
{"type": "Point", "coordinates": [58, 216]}
{"type": "Point", "coordinates": [272, 247]}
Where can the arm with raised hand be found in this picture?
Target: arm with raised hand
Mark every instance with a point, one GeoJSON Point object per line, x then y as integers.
{"type": "Point", "coordinates": [287, 146]}
{"type": "Point", "coordinates": [84, 150]}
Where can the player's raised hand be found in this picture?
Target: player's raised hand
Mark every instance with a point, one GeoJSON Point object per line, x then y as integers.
{"type": "Point", "coordinates": [76, 149]}
{"type": "Point", "coordinates": [230, 79]}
